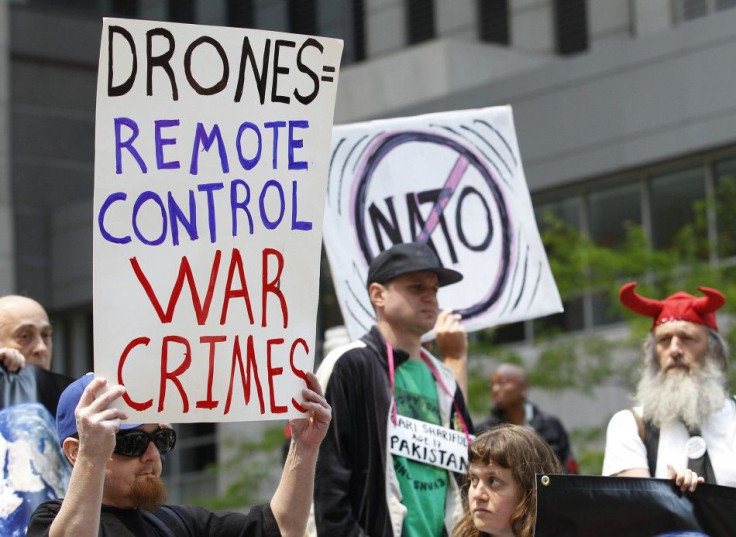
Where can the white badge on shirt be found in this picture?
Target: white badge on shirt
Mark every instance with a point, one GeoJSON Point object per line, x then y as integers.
{"type": "Point", "coordinates": [430, 444]}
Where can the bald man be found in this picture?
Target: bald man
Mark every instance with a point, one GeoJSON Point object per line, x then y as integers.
{"type": "Point", "coordinates": [29, 394]}
{"type": "Point", "coordinates": [509, 388]}
{"type": "Point", "coordinates": [25, 333]}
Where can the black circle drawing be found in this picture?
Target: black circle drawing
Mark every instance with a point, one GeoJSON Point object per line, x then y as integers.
{"type": "Point", "coordinates": [391, 142]}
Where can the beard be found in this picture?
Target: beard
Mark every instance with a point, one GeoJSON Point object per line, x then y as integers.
{"type": "Point", "coordinates": [148, 493]}
{"type": "Point", "coordinates": [685, 395]}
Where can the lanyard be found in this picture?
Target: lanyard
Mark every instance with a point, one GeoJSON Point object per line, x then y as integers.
{"type": "Point", "coordinates": [435, 374]}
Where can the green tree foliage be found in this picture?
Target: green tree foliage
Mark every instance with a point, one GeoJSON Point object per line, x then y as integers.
{"type": "Point", "coordinates": [247, 471]}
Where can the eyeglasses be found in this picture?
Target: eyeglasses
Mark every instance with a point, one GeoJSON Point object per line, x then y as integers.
{"type": "Point", "coordinates": [134, 443]}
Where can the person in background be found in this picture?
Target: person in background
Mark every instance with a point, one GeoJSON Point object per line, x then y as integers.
{"type": "Point", "coordinates": [25, 333]}
{"type": "Point", "coordinates": [508, 389]}
{"type": "Point", "coordinates": [500, 493]}
{"type": "Point", "coordinates": [362, 487]}
{"type": "Point", "coordinates": [116, 487]}
{"type": "Point", "coordinates": [34, 468]}
{"type": "Point", "coordinates": [683, 424]}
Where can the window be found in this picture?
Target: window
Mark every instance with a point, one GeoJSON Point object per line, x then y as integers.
{"type": "Point", "coordinates": [181, 11]}
{"type": "Point", "coordinates": [420, 20]}
{"type": "Point", "coordinates": [567, 212]}
{"type": "Point", "coordinates": [493, 21]}
{"type": "Point", "coordinates": [611, 212]}
{"type": "Point", "coordinates": [241, 13]}
{"type": "Point", "coordinates": [694, 9]}
{"type": "Point", "coordinates": [571, 319]}
{"type": "Point", "coordinates": [343, 19]}
{"type": "Point", "coordinates": [302, 17]}
{"type": "Point", "coordinates": [185, 469]}
{"type": "Point", "coordinates": [340, 19]}
{"type": "Point", "coordinates": [725, 201]}
{"type": "Point", "coordinates": [571, 26]}
{"type": "Point", "coordinates": [125, 8]}
{"type": "Point", "coordinates": [672, 203]}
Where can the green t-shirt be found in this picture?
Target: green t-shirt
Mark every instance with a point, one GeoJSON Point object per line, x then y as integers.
{"type": "Point", "coordinates": [423, 487]}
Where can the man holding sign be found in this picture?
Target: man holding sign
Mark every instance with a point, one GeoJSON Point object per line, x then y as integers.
{"type": "Point", "coordinates": [115, 488]}
{"type": "Point", "coordinates": [390, 394]}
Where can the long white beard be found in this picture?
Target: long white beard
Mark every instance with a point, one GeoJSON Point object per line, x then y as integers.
{"type": "Point", "coordinates": [682, 395]}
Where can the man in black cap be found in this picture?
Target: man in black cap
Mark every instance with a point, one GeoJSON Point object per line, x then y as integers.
{"type": "Point", "coordinates": [363, 486]}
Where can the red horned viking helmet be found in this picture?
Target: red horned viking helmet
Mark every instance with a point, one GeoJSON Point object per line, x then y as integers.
{"type": "Point", "coordinates": [680, 306]}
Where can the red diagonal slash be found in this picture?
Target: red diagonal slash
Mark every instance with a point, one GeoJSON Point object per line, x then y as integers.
{"type": "Point", "coordinates": [458, 170]}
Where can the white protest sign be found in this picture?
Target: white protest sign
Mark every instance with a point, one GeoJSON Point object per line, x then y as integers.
{"type": "Point", "coordinates": [428, 443]}
{"type": "Point", "coordinates": [212, 149]}
{"type": "Point", "coordinates": [454, 180]}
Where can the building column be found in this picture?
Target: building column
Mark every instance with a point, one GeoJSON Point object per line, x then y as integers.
{"type": "Point", "coordinates": [7, 235]}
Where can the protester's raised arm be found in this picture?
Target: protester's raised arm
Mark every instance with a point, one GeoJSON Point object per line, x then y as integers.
{"type": "Point", "coordinates": [293, 497]}
{"type": "Point", "coordinates": [452, 344]}
{"type": "Point", "coordinates": [97, 423]}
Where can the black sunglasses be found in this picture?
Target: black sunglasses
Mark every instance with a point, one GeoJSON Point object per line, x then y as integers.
{"type": "Point", "coordinates": [134, 443]}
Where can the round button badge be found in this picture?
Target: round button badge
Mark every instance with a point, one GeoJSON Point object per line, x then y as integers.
{"type": "Point", "coordinates": [695, 447]}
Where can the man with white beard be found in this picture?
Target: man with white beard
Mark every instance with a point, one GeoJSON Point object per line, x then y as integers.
{"type": "Point", "coordinates": [683, 426]}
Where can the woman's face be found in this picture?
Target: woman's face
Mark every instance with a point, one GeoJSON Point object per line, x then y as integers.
{"type": "Point", "coordinates": [492, 497]}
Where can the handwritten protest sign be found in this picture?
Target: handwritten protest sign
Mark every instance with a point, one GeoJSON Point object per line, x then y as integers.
{"type": "Point", "coordinates": [454, 180]}
{"type": "Point", "coordinates": [212, 149]}
{"type": "Point", "coordinates": [428, 443]}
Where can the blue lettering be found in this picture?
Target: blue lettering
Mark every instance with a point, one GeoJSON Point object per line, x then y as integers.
{"type": "Point", "coordinates": [275, 125]}
{"type": "Point", "coordinates": [242, 205]}
{"type": "Point", "coordinates": [295, 223]}
{"type": "Point", "coordinates": [271, 224]}
{"type": "Point", "coordinates": [296, 143]}
{"type": "Point", "coordinates": [176, 215]}
{"type": "Point", "coordinates": [127, 144]}
{"type": "Point", "coordinates": [112, 198]}
{"type": "Point", "coordinates": [201, 138]}
{"type": "Point", "coordinates": [210, 188]}
{"type": "Point", "coordinates": [248, 164]}
{"type": "Point", "coordinates": [161, 142]}
{"type": "Point", "coordinates": [144, 197]}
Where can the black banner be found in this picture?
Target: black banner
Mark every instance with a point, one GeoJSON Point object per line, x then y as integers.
{"type": "Point", "coordinates": [593, 506]}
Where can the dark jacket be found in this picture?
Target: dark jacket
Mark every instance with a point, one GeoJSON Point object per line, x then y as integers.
{"type": "Point", "coordinates": [548, 427]}
{"type": "Point", "coordinates": [350, 496]}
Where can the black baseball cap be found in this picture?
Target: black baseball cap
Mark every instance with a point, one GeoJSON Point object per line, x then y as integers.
{"type": "Point", "coordinates": [409, 257]}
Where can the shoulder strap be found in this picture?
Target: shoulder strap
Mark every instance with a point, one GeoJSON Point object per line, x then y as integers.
{"type": "Point", "coordinates": [639, 423]}
{"type": "Point", "coordinates": [649, 434]}
{"type": "Point", "coordinates": [169, 521]}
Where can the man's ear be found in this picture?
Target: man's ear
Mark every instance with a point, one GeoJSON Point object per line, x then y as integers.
{"type": "Point", "coordinates": [376, 292]}
{"type": "Point", "coordinates": [70, 446]}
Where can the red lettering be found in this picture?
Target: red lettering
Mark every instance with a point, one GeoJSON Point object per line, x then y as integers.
{"type": "Point", "coordinates": [236, 262]}
{"type": "Point", "coordinates": [185, 272]}
{"type": "Point", "coordinates": [274, 372]}
{"type": "Point", "coordinates": [173, 375]}
{"type": "Point", "coordinates": [212, 340]}
{"type": "Point", "coordinates": [273, 285]}
{"type": "Point", "coordinates": [121, 363]}
{"type": "Point", "coordinates": [245, 375]}
{"type": "Point", "coordinates": [298, 372]}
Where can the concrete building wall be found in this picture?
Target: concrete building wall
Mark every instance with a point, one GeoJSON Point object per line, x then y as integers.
{"type": "Point", "coordinates": [54, 69]}
{"type": "Point", "coordinates": [631, 103]}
